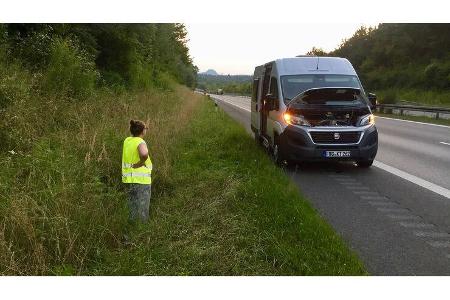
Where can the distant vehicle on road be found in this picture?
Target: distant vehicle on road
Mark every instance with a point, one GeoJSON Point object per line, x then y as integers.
{"type": "Point", "coordinates": [219, 92]}
{"type": "Point", "coordinates": [313, 108]}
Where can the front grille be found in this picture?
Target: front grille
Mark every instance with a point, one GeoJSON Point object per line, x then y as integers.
{"type": "Point", "coordinates": [341, 137]}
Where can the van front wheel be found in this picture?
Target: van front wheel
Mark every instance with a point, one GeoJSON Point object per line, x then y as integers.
{"type": "Point", "coordinates": [277, 155]}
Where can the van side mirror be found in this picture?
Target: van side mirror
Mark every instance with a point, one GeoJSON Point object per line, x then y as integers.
{"type": "Point", "coordinates": [372, 99]}
{"type": "Point", "coordinates": [270, 97]}
{"type": "Point", "coordinates": [270, 102]}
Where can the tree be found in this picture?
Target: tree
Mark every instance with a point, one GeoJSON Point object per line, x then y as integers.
{"type": "Point", "coordinates": [317, 52]}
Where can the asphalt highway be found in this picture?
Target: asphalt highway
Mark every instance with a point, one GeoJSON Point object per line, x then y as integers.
{"type": "Point", "coordinates": [394, 215]}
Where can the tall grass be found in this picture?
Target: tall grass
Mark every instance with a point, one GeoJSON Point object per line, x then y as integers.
{"type": "Point", "coordinates": [70, 71]}
{"type": "Point", "coordinates": [61, 202]}
{"type": "Point", "coordinates": [15, 83]}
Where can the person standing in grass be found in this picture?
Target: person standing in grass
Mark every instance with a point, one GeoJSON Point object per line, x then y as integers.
{"type": "Point", "coordinates": [136, 172]}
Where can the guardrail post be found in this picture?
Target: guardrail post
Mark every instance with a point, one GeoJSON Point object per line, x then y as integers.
{"type": "Point", "coordinates": [401, 112]}
{"type": "Point", "coordinates": [437, 115]}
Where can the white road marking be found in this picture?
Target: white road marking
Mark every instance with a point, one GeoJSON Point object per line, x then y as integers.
{"type": "Point", "coordinates": [374, 198]}
{"type": "Point", "coordinates": [403, 217]}
{"type": "Point", "coordinates": [358, 188]}
{"type": "Point", "coordinates": [367, 193]}
{"type": "Point", "coordinates": [382, 203]}
{"type": "Point", "coordinates": [437, 244]}
{"type": "Point", "coordinates": [445, 143]}
{"type": "Point", "coordinates": [432, 234]}
{"type": "Point", "coordinates": [414, 179]}
{"type": "Point", "coordinates": [350, 183]}
{"type": "Point", "coordinates": [338, 174]}
{"type": "Point", "coordinates": [409, 121]}
{"type": "Point", "coordinates": [394, 210]}
{"type": "Point", "coordinates": [340, 180]}
{"type": "Point", "coordinates": [345, 180]}
{"type": "Point", "coordinates": [416, 225]}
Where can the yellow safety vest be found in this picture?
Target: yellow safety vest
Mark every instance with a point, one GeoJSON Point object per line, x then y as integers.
{"type": "Point", "coordinates": [130, 156]}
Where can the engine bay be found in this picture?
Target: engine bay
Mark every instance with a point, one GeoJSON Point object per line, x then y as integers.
{"type": "Point", "coordinates": [331, 116]}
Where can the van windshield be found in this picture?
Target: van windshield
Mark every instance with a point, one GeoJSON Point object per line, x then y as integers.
{"type": "Point", "coordinates": [292, 85]}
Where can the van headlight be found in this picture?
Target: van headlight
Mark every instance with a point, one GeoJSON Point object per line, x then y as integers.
{"type": "Point", "coordinates": [295, 119]}
{"type": "Point", "coordinates": [367, 120]}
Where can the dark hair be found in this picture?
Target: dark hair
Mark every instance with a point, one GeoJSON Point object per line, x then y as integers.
{"type": "Point", "coordinates": [136, 127]}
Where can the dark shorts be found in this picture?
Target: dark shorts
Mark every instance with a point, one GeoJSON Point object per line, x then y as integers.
{"type": "Point", "coordinates": [139, 201]}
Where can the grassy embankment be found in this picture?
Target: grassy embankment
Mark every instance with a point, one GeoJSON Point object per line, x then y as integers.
{"type": "Point", "coordinates": [219, 206]}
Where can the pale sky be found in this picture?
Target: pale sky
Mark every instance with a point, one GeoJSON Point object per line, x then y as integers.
{"type": "Point", "coordinates": [237, 48]}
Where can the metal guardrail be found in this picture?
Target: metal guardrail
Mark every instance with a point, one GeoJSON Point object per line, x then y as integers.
{"type": "Point", "coordinates": [436, 110]}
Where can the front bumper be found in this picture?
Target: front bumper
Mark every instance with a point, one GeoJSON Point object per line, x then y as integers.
{"type": "Point", "coordinates": [296, 145]}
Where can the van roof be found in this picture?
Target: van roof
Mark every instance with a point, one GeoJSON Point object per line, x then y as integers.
{"type": "Point", "coordinates": [314, 65]}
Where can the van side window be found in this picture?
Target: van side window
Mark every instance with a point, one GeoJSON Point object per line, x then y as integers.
{"type": "Point", "coordinates": [274, 86]}
{"type": "Point", "coordinates": [255, 90]}
{"type": "Point", "coordinates": [273, 89]}
{"type": "Point", "coordinates": [266, 82]}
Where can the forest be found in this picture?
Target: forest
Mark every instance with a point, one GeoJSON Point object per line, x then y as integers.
{"type": "Point", "coordinates": [76, 59]}
{"type": "Point", "coordinates": [401, 60]}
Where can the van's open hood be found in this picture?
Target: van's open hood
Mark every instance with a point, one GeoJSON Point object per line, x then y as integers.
{"type": "Point", "coordinates": [317, 95]}
{"type": "Point", "coordinates": [316, 106]}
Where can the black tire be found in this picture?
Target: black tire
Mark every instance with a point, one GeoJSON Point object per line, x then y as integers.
{"type": "Point", "coordinates": [365, 163]}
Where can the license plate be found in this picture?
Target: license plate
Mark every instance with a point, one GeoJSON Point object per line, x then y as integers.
{"type": "Point", "coordinates": [337, 153]}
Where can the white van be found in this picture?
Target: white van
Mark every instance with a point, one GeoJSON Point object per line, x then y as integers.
{"type": "Point", "coordinates": [313, 108]}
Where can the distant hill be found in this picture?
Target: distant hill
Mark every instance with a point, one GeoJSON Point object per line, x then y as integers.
{"type": "Point", "coordinates": [240, 84]}
{"type": "Point", "coordinates": [210, 72]}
